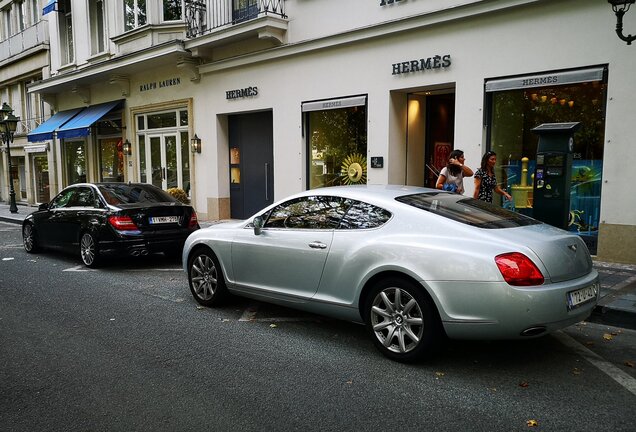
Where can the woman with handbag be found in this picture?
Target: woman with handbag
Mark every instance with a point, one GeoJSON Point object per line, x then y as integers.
{"type": "Point", "coordinates": [451, 177]}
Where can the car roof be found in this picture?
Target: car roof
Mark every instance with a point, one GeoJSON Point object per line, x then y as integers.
{"type": "Point", "coordinates": [368, 193]}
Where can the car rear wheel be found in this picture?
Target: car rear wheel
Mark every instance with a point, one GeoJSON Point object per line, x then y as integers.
{"type": "Point", "coordinates": [29, 238]}
{"type": "Point", "coordinates": [206, 278]}
{"type": "Point", "coordinates": [89, 250]}
{"type": "Point", "coordinates": [402, 320]}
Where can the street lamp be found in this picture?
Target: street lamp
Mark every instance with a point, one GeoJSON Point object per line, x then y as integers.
{"type": "Point", "coordinates": [620, 7]}
{"type": "Point", "coordinates": [8, 124]}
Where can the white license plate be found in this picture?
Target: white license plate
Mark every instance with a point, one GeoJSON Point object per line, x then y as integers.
{"type": "Point", "coordinates": [583, 295]}
{"type": "Point", "coordinates": [164, 219]}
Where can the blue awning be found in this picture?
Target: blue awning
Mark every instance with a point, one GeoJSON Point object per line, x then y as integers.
{"type": "Point", "coordinates": [80, 125]}
{"type": "Point", "coordinates": [45, 130]}
{"type": "Point", "coordinates": [51, 6]}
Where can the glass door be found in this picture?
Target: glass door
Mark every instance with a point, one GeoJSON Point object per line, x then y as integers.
{"type": "Point", "coordinates": [163, 156]}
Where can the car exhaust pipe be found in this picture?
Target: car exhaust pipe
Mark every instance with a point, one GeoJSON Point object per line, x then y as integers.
{"type": "Point", "coordinates": [134, 253]}
{"type": "Point", "coordinates": [143, 252]}
{"type": "Point", "coordinates": [534, 331]}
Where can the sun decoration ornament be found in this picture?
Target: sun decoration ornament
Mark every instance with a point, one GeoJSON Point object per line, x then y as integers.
{"type": "Point", "coordinates": [354, 169]}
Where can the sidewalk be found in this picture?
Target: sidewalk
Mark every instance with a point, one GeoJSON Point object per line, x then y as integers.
{"type": "Point", "coordinates": [617, 305]}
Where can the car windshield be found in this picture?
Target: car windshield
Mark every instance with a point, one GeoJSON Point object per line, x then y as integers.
{"type": "Point", "coordinates": [467, 210]}
{"type": "Point", "coordinates": [118, 193]}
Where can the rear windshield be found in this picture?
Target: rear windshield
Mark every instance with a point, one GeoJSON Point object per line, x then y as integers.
{"type": "Point", "coordinates": [118, 193]}
{"type": "Point", "coordinates": [467, 210]}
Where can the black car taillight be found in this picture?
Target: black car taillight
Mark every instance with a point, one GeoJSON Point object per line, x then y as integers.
{"type": "Point", "coordinates": [122, 223]}
{"type": "Point", "coordinates": [194, 221]}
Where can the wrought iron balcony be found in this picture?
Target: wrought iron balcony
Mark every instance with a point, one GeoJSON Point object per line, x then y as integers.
{"type": "Point", "coordinates": [205, 16]}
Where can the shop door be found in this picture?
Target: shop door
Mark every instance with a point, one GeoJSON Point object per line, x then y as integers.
{"type": "Point", "coordinates": [440, 131]}
{"type": "Point", "coordinates": [251, 163]}
{"type": "Point", "coordinates": [163, 154]}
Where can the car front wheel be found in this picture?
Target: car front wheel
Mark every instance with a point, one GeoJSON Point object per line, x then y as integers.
{"type": "Point", "coordinates": [29, 238]}
{"type": "Point", "coordinates": [89, 250]}
{"type": "Point", "coordinates": [206, 278]}
{"type": "Point", "coordinates": [402, 320]}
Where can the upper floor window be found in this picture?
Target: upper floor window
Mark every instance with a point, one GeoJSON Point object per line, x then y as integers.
{"type": "Point", "coordinates": [67, 47]}
{"type": "Point", "coordinates": [21, 15]}
{"type": "Point", "coordinates": [172, 10]}
{"type": "Point", "coordinates": [244, 10]}
{"type": "Point", "coordinates": [96, 13]}
{"type": "Point", "coordinates": [134, 14]}
{"type": "Point", "coordinates": [35, 11]}
{"type": "Point", "coordinates": [6, 23]}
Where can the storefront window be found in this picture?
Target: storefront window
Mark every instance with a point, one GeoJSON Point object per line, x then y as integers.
{"type": "Point", "coordinates": [41, 177]}
{"type": "Point", "coordinates": [516, 112]}
{"type": "Point", "coordinates": [162, 120]}
{"type": "Point", "coordinates": [185, 161]}
{"type": "Point", "coordinates": [75, 162]}
{"type": "Point", "coordinates": [164, 146]}
{"type": "Point", "coordinates": [142, 158]}
{"type": "Point", "coordinates": [111, 158]}
{"type": "Point", "coordinates": [337, 146]}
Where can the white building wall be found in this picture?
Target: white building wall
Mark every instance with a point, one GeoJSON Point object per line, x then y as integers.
{"type": "Point", "coordinates": [337, 49]}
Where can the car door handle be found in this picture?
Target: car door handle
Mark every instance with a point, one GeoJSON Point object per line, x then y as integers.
{"type": "Point", "coordinates": [317, 245]}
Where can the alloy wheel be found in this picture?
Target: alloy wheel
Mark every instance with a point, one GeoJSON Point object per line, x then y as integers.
{"type": "Point", "coordinates": [203, 274]}
{"type": "Point", "coordinates": [397, 320]}
{"type": "Point", "coordinates": [88, 249]}
{"type": "Point", "coordinates": [28, 237]}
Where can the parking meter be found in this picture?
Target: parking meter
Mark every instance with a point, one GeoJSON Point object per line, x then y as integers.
{"type": "Point", "coordinates": [553, 173]}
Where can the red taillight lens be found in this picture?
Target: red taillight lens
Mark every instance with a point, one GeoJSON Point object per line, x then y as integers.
{"type": "Point", "coordinates": [194, 222]}
{"type": "Point", "coordinates": [519, 270]}
{"type": "Point", "coordinates": [122, 223]}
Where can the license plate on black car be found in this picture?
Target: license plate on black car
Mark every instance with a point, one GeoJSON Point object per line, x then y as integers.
{"type": "Point", "coordinates": [164, 219]}
{"type": "Point", "coordinates": [578, 297]}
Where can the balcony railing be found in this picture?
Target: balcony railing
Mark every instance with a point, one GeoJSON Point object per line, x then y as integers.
{"type": "Point", "coordinates": [206, 16]}
{"type": "Point", "coordinates": [30, 37]}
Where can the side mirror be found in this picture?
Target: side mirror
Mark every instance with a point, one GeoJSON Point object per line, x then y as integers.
{"type": "Point", "coordinates": [258, 225]}
{"type": "Point", "coordinates": [43, 206]}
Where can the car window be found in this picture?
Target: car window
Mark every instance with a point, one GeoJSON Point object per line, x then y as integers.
{"type": "Point", "coordinates": [63, 199]}
{"type": "Point", "coordinates": [467, 210]}
{"type": "Point", "coordinates": [121, 193]}
{"type": "Point", "coordinates": [362, 215]}
{"type": "Point", "coordinates": [83, 197]}
{"type": "Point", "coordinates": [313, 212]}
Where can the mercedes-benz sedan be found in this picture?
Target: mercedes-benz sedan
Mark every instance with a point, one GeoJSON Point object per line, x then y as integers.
{"type": "Point", "coordinates": [413, 264]}
{"type": "Point", "coordinates": [125, 219]}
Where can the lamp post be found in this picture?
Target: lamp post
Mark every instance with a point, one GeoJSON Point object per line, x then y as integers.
{"type": "Point", "coordinates": [8, 124]}
{"type": "Point", "coordinates": [620, 7]}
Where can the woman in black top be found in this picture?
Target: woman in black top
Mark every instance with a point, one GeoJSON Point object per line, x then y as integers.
{"type": "Point", "coordinates": [485, 180]}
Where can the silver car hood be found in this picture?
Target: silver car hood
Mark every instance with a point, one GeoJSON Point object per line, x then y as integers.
{"type": "Point", "coordinates": [564, 255]}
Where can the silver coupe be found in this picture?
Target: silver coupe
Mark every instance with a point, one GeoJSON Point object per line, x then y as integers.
{"type": "Point", "coordinates": [412, 264]}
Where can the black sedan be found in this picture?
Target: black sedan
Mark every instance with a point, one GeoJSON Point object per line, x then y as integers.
{"type": "Point", "coordinates": [128, 219]}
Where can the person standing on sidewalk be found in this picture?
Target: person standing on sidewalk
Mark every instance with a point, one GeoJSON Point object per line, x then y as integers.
{"type": "Point", "coordinates": [485, 180]}
{"type": "Point", "coordinates": [451, 177]}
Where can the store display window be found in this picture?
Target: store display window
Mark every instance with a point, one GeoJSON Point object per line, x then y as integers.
{"type": "Point", "coordinates": [337, 143]}
{"type": "Point", "coordinates": [513, 115]}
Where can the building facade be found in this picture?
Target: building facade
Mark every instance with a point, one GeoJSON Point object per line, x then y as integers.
{"type": "Point", "coordinates": [24, 59]}
{"type": "Point", "coordinates": [282, 96]}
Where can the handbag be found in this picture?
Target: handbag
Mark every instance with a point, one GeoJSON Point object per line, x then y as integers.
{"type": "Point", "coordinates": [450, 187]}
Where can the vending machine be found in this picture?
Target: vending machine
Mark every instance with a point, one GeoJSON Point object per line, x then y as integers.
{"type": "Point", "coordinates": [553, 172]}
